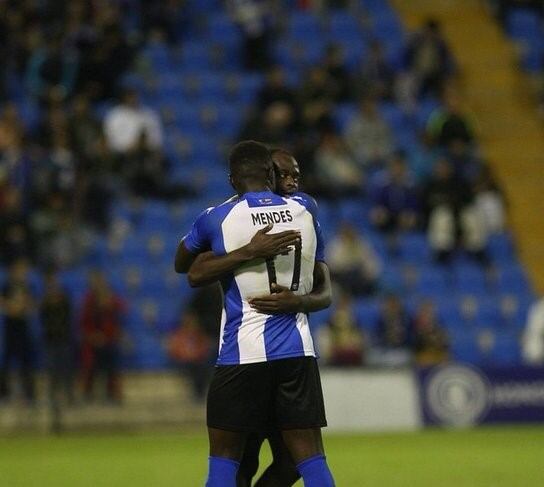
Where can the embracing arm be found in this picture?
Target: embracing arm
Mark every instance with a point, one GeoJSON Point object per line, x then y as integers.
{"type": "Point", "coordinates": [205, 268]}
{"type": "Point", "coordinates": [286, 301]}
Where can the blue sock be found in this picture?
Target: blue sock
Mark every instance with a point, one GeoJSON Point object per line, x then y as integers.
{"type": "Point", "coordinates": [222, 472]}
{"type": "Point", "coordinates": [315, 472]}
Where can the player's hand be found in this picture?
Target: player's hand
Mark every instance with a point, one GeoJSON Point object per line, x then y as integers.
{"type": "Point", "coordinates": [264, 245]}
{"type": "Point", "coordinates": [281, 301]}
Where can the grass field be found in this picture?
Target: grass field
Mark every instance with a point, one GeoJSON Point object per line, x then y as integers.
{"type": "Point", "coordinates": [508, 457]}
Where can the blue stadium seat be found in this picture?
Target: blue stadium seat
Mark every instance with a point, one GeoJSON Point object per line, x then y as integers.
{"type": "Point", "coordinates": [304, 26]}
{"type": "Point", "coordinates": [431, 282]}
{"type": "Point", "coordinates": [414, 248]}
{"type": "Point", "coordinates": [223, 30]}
{"type": "Point", "coordinates": [501, 248]}
{"type": "Point", "coordinates": [524, 23]}
{"type": "Point", "coordinates": [367, 312]}
{"type": "Point", "coordinates": [470, 279]}
{"type": "Point", "coordinates": [512, 279]}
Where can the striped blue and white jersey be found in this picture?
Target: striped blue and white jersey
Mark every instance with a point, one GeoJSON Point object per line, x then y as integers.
{"type": "Point", "coordinates": [246, 335]}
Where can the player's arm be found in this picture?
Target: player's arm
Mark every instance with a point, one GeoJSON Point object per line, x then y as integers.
{"type": "Point", "coordinates": [286, 301]}
{"type": "Point", "coordinates": [206, 268]}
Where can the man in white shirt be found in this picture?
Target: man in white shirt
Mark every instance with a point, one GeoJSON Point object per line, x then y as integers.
{"type": "Point", "coordinates": [125, 123]}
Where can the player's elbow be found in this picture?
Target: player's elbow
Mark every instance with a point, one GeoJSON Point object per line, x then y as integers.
{"type": "Point", "coordinates": [195, 278]}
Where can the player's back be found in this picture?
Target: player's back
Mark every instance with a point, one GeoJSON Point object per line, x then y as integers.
{"type": "Point", "coordinates": [246, 335]}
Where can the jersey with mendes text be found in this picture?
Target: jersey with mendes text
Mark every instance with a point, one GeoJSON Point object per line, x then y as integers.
{"type": "Point", "coordinates": [248, 336]}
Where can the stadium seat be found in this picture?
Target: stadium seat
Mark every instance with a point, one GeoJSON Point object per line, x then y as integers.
{"type": "Point", "coordinates": [524, 23]}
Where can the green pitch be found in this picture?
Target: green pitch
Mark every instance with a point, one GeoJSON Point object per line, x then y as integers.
{"type": "Point", "coordinates": [512, 457]}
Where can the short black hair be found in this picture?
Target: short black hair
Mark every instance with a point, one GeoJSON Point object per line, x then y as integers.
{"type": "Point", "coordinates": [249, 158]}
{"type": "Point", "coordinates": [280, 152]}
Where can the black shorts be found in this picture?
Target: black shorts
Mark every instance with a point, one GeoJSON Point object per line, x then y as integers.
{"type": "Point", "coordinates": [280, 394]}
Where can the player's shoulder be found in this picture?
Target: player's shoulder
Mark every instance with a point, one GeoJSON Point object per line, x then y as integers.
{"type": "Point", "coordinates": [305, 200]}
{"type": "Point", "coordinates": [220, 211]}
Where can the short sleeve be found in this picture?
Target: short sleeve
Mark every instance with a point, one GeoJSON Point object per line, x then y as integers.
{"type": "Point", "coordinates": [198, 239]}
{"type": "Point", "coordinates": [311, 205]}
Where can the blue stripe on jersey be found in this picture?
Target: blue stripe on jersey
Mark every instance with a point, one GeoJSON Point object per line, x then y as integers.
{"type": "Point", "coordinates": [230, 352]}
{"type": "Point", "coordinates": [281, 337]}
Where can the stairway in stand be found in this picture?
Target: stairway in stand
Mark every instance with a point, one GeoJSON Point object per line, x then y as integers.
{"type": "Point", "coordinates": [510, 133]}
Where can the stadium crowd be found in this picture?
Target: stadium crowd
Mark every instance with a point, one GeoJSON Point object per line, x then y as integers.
{"type": "Point", "coordinates": [69, 153]}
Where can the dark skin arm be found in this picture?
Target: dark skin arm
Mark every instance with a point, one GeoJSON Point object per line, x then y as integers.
{"type": "Point", "coordinates": [283, 300]}
{"type": "Point", "coordinates": [207, 268]}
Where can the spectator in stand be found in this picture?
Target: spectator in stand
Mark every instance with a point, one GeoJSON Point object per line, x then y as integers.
{"type": "Point", "coordinates": [276, 126]}
{"type": "Point", "coordinates": [368, 135]}
{"type": "Point", "coordinates": [490, 203]}
{"type": "Point", "coordinates": [15, 232]}
{"type": "Point", "coordinates": [449, 212]}
{"type": "Point", "coordinates": [335, 67]}
{"type": "Point", "coordinates": [101, 329]}
{"type": "Point", "coordinates": [125, 123]}
{"type": "Point", "coordinates": [52, 70]}
{"type": "Point", "coordinates": [254, 18]}
{"type": "Point", "coordinates": [145, 170]}
{"type": "Point", "coordinates": [430, 341]}
{"type": "Point", "coordinates": [206, 304]}
{"type": "Point", "coordinates": [533, 336]}
{"type": "Point", "coordinates": [394, 334]}
{"type": "Point", "coordinates": [337, 173]}
{"type": "Point", "coordinates": [375, 75]}
{"type": "Point", "coordinates": [354, 264]}
{"type": "Point", "coordinates": [396, 202]}
{"type": "Point", "coordinates": [16, 304]}
{"type": "Point", "coordinates": [450, 123]}
{"type": "Point", "coordinates": [108, 56]}
{"type": "Point", "coordinates": [275, 90]}
{"type": "Point", "coordinates": [190, 348]}
{"type": "Point", "coordinates": [342, 341]}
{"type": "Point", "coordinates": [428, 59]}
{"type": "Point", "coordinates": [316, 99]}
{"type": "Point", "coordinates": [84, 128]}
{"type": "Point", "coordinates": [56, 319]}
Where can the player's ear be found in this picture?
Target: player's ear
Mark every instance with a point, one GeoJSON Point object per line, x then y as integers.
{"type": "Point", "coordinates": [231, 181]}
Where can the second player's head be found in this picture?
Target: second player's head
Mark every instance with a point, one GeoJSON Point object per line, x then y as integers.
{"type": "Point", "coordinates": [251, 167]}
{"type": "Point", "coordinates": [287, 172]}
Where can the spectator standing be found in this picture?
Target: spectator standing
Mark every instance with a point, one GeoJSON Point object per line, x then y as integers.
{"type": "Point", "coordinates": [430, 341]}
{"type": "Point", "coordinates": [56, 318]}
{"type": "Point", "coordinates": [190, 348]}
{"type": "Point", "coordinates": [17, 304]}
{"type": "Point", "coordinates": [101, 327]}
{"type": "Point", "coordinates": [368, 135]}
{"type": "Point", "coordinates": [354, 264]}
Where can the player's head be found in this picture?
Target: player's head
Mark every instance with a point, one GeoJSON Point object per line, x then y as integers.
{"type": "Point", "coordinates": [251, 167]}
{"type": "Point", "coordinates": [287, 172]}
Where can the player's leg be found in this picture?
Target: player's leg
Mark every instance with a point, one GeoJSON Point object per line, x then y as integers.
{"type": "Point", "coordinates": [239, 400]}
{"type": "Point", "coordinates": [300, 411]}
{"type": "Point", "coordinates": [226, 449]}
{"type": "Point", "coordinates": [283, 471]}
{"type": "Point", "coordinates": [249, 463]}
